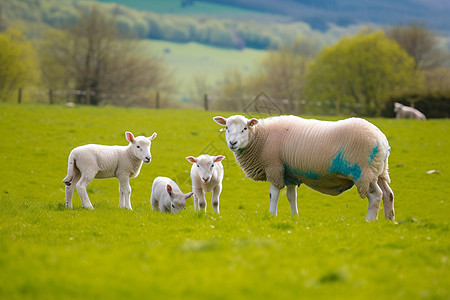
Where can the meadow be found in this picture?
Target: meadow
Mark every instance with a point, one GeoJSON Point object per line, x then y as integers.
{"type": "Point", "coordinates": [328, 252]}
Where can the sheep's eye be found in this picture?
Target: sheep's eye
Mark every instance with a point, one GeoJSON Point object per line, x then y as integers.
{"type": "Point", "coordinates": [245, 128]}
{"type": "Point", "coordinates": [173, 205]}
{"type": "Point", "coordinates": [139, 147]}
{"type": "Point", "coordinates": [226, 128]}
{"type": "Point", "coordinates": [212, 165]}
{"type": "Point", "coordinates": [198, 166]}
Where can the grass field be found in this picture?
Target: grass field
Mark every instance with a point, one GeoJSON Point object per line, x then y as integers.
{"type": "Point", "coordinates": [328, 252]}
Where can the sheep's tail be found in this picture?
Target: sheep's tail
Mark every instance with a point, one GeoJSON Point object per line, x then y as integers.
{"type": "Point", "coordinates": [70, 171]}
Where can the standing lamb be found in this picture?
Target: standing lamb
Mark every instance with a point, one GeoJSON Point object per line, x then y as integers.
{"type": "Point", "coordinates": [406, 112]}
{"type": "Point", "coordinates": [329, 157]}
{"type": "Point", "coordinates": [206, 176]}
{"type": "Point", "coordinates": [167, 196]}
{"type": "Point", "coordinates": [98, 161]}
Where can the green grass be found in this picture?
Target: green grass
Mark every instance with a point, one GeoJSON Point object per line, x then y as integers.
{"type": "Point", "coordinates": [329, 251]}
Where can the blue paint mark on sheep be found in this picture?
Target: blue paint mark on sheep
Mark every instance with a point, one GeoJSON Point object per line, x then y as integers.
{"type": "Point", "coordinates": [343, 166]}
{"type": "Point", "coordinates": [291, 176]}
{"type": "Point", "coordinates": [374, 152]}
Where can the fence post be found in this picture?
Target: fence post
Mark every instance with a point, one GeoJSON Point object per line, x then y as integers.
{"type": "Point", "coordinates": [19, 97]}
{"type": "Point", "coordinates": [50, 96]}
{"type": "Point", "coordinates": [157, 100]}
{"type": "Point", "coordinates": [206, 101]}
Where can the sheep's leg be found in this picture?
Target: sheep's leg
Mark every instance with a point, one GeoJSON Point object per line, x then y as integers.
{"type": "Point", "coordinates": [196, 208]}
{"type": "Point", "coordinates": [154, 202]}
{"type": "Point", "coordinates": [215, 197]}
{"type": "Point", "coordinates": [374, 197]}
{"type": "Point", "coordinates": [388, 199]}
{"type": "Point", "coordinates": [201, 201]}
{"type": "Point", "coordinates": [70, 188]}
{"type": "Point", "coordinates": [125, 193]}
{"type": "Point", "coordinates": [274, 196]}
{"type": "Point", "coordinates": [81, 189]}
{"type": "Point", "coordinates": [291, 194]}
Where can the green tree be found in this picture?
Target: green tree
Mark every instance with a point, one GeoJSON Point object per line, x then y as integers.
{"type": "Point", "coordinates": [363, 70]}
{"type": "Point", "coordinates": [18, 63]}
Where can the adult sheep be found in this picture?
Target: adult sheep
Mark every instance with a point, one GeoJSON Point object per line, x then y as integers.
{"type": "Point", "coordinates": [406, 112]}
{"type": "Point", "coordinates": [329, 157]}
{"type": "Point", "coordinates": [99, 161]}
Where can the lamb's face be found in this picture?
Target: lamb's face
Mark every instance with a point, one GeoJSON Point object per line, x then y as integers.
{"type": "Point", "coordinates": [141, 146]}
{"type": "Point", "coordinates": [397, 106]}
{"type": "Point", "coordinates": [204, 165]}
{"type": "Point", "coordinates": [237, 130]}
{"type": "Point", "coordinates": [178, 201]}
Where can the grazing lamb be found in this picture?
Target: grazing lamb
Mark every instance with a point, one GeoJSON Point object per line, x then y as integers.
{"type": "Point", "coordinates": [98, 161]}
{"type": "Point", "coordinates": [329, 157]}
{"type": "Point", "coordinates": [167, 196]}
{"type": "Point", "coordinates": [406, 112]}
{"type": "Point", "coordinates": [206, 176]}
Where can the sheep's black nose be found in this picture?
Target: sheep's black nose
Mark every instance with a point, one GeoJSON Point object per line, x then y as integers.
{"type": "Point", "coordinates": [232, 144]}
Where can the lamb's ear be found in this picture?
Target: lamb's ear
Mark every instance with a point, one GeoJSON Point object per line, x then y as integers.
{"type": "Point", "coordinates": [191, 159]}
{"type": "Point", "coordinates": [219, 158]}
{"type": "Point", "coordinates": [151, 138]}
{"type": "Point", "coordinates": [252, 122]}
{"type": "Point", "coordinates": [188, 195]}
{"type": "Point", "coordinates": [169, 189]}
{"type": "Point", "coordinates": [220, 120]}
{"type": "Point", "coordinates": [129, 136]}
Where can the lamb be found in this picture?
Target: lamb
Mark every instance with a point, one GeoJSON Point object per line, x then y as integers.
{"type": "Point", "coordinates": [98, 161]}
{"type": "Point", "coordinates": [167, 196]}
{"type": "Point", "coordinates": [329, 157]}
{"type": "Point", "coordinates": [206, 176]}
{"type": "Point", "coordinates": [406, 112]}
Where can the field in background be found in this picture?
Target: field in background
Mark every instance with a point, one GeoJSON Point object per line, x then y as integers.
{"type": "Point", "coordinates": [329, 251]}
{"type": "Point", "coordinates": [192, 60]}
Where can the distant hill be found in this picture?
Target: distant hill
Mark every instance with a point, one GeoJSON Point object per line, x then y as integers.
{"type": "Point", "coordinates": [318, 13]}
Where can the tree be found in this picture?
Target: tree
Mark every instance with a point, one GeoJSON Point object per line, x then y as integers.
{"type": "Point", "coordinates": [93, 58]}
{"type": "Point", "coordinates": [421, 44]}
{"type": "Point", "coordinates": [282, 73]}
{"type": "Point", "coordinates": [363, 70]}
{"type": "Point", "coordinates": [18, 63]}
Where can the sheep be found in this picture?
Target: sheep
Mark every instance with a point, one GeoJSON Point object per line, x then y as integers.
{"type": "Point", "coordinates": [206, 176]}
{"type": "Point", "coordinates": [99, 161]}
{"type": "Point", "coordinates": [329, 157]}
{"type": "Point", "coordinates": [406, 112]}
{"type": "Point", "coordinates": [167, 196]}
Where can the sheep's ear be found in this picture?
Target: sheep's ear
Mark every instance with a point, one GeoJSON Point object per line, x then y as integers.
{"type": "Point", "coordinates": [220, 120]}
{"type": "Point", "coordinates": [219, 158]}
{"type": "Point", "coordinates": [153, 136]}
{"type": "Point", "coordinates": [129, 136]}
{"type": "Point", "coordinates": [169, 189]}
{"type": "Point", "coordinates": [191, 159]}
{"type": "Point", "coordinates": [188, 195]}
{"type": "Point", "coordinates": [252, 122]}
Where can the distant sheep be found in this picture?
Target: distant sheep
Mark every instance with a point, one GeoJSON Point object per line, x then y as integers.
{"type": "Point", "coordinates": [167, 196]}
{"type": "Point", "coordinates": [98, 161]}
{"type": "Point", "coordinates": [406, 112]}
{"type": "Point", "coordinates": [206, 176]}
{"type": "Point", "coordinates": [329, 157]}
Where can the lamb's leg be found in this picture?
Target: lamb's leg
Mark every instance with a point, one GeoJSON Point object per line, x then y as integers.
{"type": "Point", "coordinates": [374, 197]}
{"type": "Point", "coordinates": [215, 197]}
{"type": "Point", "coordinates": [274, 196]}
{"type": "Point", "coordinates": [291, 194]}
{"type": "Point", "coordinates": [70, 188]}
{"type": "Point", "coordinates": [196, 208]}
{"type": "Point", "coordinates": [125, 193]}
{"type": "Point", "coordinates": [154, 202]}
{"type": "Point", "coordinates": [388, 199]}
{"type": "Point", "coordinates": [201, 201]}
{"type": "Point", "coordinates": [81, 189]}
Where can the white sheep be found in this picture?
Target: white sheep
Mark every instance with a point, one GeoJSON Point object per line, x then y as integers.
{"type": "Point", "coordinates": [167, 196]}
{"type": "Point", "coordinates": [98, 161]}
{"type": "Point", "coordinates": [206, 176]}
{"type": "Point", "coordinates": [329, 157]}
{"type": "Point", "coordinates": [406, 112]}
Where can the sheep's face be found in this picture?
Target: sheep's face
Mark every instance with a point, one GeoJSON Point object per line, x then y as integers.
{"type": "Point", "coordinates": [177, 199]}
{"type": "Point", "coordinates": [238, 130]}
{"type": "Point", "coordinates": [397, 106]}
{"type": "Point", "coordinates": [204, 165]}
{"type": "Point", "coordinates": [141, 146]}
